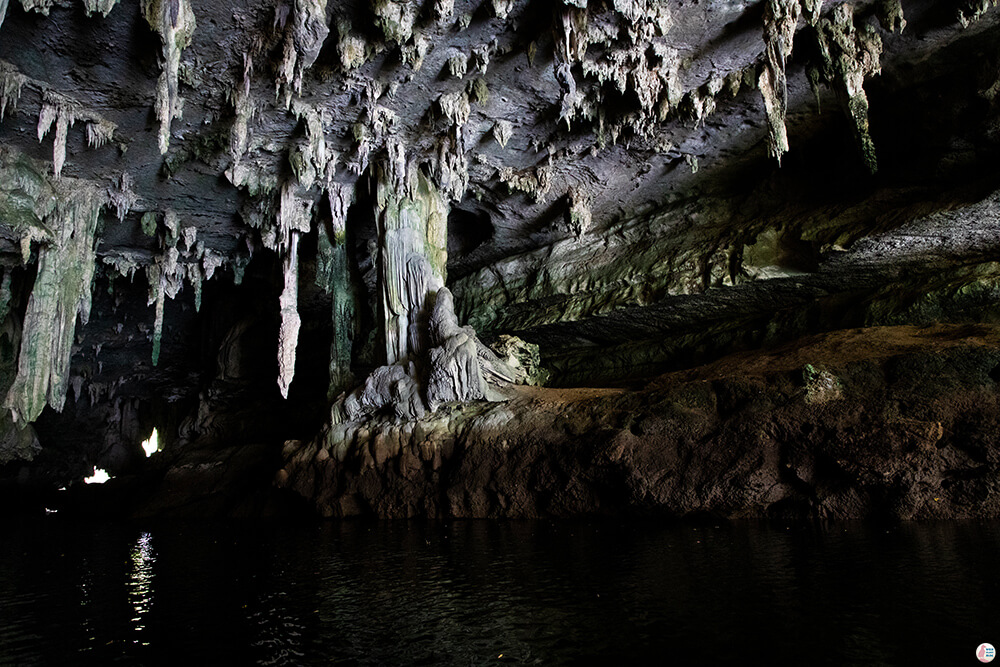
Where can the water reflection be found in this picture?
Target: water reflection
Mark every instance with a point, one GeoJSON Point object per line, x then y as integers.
{"type": "Point", "coordinates": [140, 582]}
{"type": "Point", "coordinates": [466, 592]}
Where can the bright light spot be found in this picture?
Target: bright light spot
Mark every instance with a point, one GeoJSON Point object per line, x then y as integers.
{"type": "Point", "coordinates": [99, 477]}
{"type": "Point", "coordinates": [152, 444]}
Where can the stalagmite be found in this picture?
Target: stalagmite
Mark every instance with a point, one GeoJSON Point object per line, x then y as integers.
{"type": "Point", "coordinates": [780, 19]}
{"type": "Point", "coordinates": [288, 334]}
{"type": "Point", "coordinates": [174, 21]}
{"type": "Point", "coordinates": [455, 373]}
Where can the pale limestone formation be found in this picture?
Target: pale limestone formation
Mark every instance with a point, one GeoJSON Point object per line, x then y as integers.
{"type": "Point", "coordinates": [413, 245]}
{"type": "Point", "coordinates": [780, 20]}
{"type": "Point", "coordinates": [455, 373]}
{"type": "Point", "coordinates": [61, 293]}
{"type": "Point", "coordinates": [174, 21]}
{"type": "Point", "coordinates": [387, 386]}
{"type": "Point", "coordinates": [288, 334]}
{"type": "Point", "coordinates": [102, 6]}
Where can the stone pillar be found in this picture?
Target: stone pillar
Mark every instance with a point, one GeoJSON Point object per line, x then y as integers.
{"type": "Point", "coordinates": [412, 221]}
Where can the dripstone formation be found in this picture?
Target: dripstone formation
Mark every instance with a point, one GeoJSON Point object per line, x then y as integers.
{"type": "Point", "coordinates": [495, 257]}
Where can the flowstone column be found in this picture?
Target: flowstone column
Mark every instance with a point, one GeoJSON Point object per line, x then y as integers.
{"type": "Point", "coordinates": [334, 276]}
{"type": "Point", "coordinates": [413, 252]}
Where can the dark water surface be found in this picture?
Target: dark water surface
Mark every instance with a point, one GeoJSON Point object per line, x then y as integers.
{"type": "Point", "coordinates": [466, 593]}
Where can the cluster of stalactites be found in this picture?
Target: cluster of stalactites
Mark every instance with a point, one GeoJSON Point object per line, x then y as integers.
{"type": "Point", "coordinates": [44, 6]}
{"type": "Point", "coordinates": [174, 21]}
{"type": "Point", "coordinates": [630, 52]}
{"type": "Point", "coordinates": [62, 112]}
{"type": "Point", "coordinates": [182, 258]}
{"type": "Point", "coordinates": [847, 54]}
{"type": "Point", "coordinates": [56, 110]}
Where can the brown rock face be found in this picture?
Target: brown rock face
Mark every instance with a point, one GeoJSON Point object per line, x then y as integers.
{"type": "Point", "coordinates": [910, 432]}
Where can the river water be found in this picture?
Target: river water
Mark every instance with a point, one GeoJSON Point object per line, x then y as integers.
{"type": "Point", "coordinates": [482, 593]}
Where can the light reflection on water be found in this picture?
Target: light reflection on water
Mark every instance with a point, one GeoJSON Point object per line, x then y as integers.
{"type": "Point", "coordinates": [140, 581]}
{"type": "Point", "coordinates": [467, 592]}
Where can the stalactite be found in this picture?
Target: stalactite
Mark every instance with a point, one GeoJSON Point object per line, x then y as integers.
{"type": "Point", "coordinates": [174, 21]}
{"type": "Point", "coordinates": [811, 10]}
{"type": "Point", "coordinates": [121, 195]}
{"type": "Point", "coordinates": [304, 39]}
{"type": "Point", "coordinates": [458, 65]}
{"type": "Point", "coordinates": [501, 8]}
{"type": "Point", "coordinates": [3, 15]}
{"type": "Point", "coordinates": [351, 48]}
{"type": "Point", "coordinates": [40, 6]}
{"type": "Point", "coordinates": [245, 109]}
{"type": "Point", "coordinates": [165, 282]}
{"type": "Point", "coordinates": [309, 158]}
{"type": "Point", "coordinates": [579, 211]}
{"type": "Point", "coordinates": [102, 6]}
{"type": "Point", "coordinates": [780, 19]}
{"type": "Point", "coordinates": [395, 18]}
{"type": "Point", "coordinates": [846, 56]}
{"type": "Point", "coordinates": [288, 334]}
{"type": "Point", "coordinates": [973, 11]}
{"type": "Point", "coordinates": [5, 295]}
{"type": "Point", "coordinates": [334, 276]}
{"type": "Point", "coordinates": [11, 82]}
{"type": "Point", "coordinates": [294, 215]}
{"type": "Point", "coordinates": [61, 292]}
{"type": "Point", "coordinates": [502, 132]}
{"type": "Point", "coordinates": [62, 112]}
{"type": "Point", "coordinates": [890, 15]}
{"type": "Point", "coordinates": [100, 132]}
{"type": "Point", "coordinates": [444, 8]}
